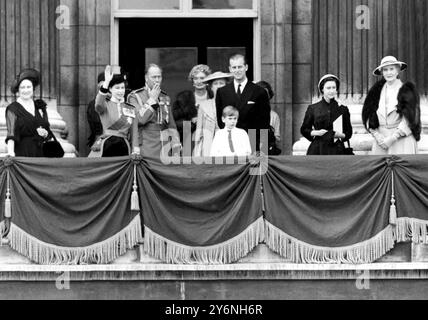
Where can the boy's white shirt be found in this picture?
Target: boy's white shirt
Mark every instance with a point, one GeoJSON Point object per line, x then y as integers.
{"type": "Point", "coordinates": [241, 143]}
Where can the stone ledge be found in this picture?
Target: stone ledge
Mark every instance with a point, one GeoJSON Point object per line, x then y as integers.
{"type": "Point", "coordinates": [379, 271]}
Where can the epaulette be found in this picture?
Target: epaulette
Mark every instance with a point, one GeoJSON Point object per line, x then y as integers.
{"type": "Point", "coordinates": [138, 90]}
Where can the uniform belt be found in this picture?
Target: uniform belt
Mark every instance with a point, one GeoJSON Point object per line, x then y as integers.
{"type": "Point", "coordinates": [151, 127]}
{"type": "Point", "coordinates": [115, 133]}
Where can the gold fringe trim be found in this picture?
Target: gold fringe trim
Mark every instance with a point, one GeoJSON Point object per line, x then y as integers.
{"type": "Point", "coordinates": [223, 253]}
{"type": "Point", "coordinates": [411, 229]}
{"type": "Point", "coordinates": [99, 253]}
{"type": "Point", "coordinates": [300, 252]}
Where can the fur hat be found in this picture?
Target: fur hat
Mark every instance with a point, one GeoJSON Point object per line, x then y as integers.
{"type": "Point", "coordinates": [27, 74]}
{"type": "Point", "coordinates": [389, 61]}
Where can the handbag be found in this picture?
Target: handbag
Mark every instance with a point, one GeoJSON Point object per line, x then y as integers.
{"type": "Point", "coordinates": [52, 148]}
{"type": "Point", "coordinates": [349, 151]}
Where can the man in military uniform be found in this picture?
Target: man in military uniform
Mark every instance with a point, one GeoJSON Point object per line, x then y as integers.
{"type": "Point", "coordinates": [157, 131]}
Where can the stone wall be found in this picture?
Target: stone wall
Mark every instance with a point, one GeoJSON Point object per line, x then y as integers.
{"type": "Point", "coordinates": [302, 62]}
{"type": "Point", "coordinates": [84, 51]}
{"type": "Point", "coordinates": [276, 52]}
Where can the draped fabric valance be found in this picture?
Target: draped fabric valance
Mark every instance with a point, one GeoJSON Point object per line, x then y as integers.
{"type": "Point", "coordinates": [308, 209]}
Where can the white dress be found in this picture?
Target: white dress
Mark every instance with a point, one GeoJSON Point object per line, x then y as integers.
{"type": "Point", "coordinates": [390, 121]}
{"type": "Point", "coordinates": [206, 127]}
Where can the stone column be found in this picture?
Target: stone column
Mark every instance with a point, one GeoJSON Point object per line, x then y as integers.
{"type": "Point", "coordinates": [302, 62]}
{"type": "Point", "coordinates": [276, 52]}
{"type": "Point", "coordinates": [30, 42]}
{"type": "Point", "coordinates": [84, 51]}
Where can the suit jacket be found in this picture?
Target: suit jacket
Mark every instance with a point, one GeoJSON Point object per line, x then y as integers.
{"type": "Point", "coordinates": [253, 106]}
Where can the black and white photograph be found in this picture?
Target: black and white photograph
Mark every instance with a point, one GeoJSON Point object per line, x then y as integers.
{"type": "Point", "coordinates": [216, 155]}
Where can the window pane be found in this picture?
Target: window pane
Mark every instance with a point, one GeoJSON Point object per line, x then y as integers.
{"type": "Point", "coordinates": [218, 57]}
{"type": "Point", "coordinates": [149, 4]}
{"type": "Point", "coordinates": [222, 4]}
{"type": "Point", "coordinates": [176, 64]}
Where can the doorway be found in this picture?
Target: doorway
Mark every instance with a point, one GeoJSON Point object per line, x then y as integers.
{"type": "Point", "coordinates": [178, 44]}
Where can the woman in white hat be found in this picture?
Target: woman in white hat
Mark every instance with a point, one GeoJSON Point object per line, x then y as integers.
{"type": "Point", "coordinates": [323, 117]}
{"type": "Point", "coordinates": [391, 111]}
{"type": "Point", "coordinates": [206, 124]}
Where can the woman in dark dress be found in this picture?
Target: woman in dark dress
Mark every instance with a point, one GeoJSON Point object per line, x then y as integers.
{"type": "Point", "coordinates": [26, 119]}
{"type": "Point", "coordinates": [318, 125]}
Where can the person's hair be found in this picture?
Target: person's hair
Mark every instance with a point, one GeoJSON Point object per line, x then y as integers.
{"type": "Point", "coordinates": [265, 85]}
{"type": "Point", "coordinates": [16, 88]}
{"type": "Point", "coordinates": [230, 111]}
{"type": "Point", "coordinates": [150, 66]}
{"type": "Point", "coordinates": [238, 56]}
{"type": "Point", "coordinates": [322, 84]}
{"type": "Point", "coordinates": [199, 68]}
{"type": "Point", "coordinates": [31, 75]}
{"type": "Point", "coordinates": [184, 106]}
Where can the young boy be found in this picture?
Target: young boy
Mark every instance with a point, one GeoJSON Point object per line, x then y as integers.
{"type": "Point", "coordinates": [230, 141]}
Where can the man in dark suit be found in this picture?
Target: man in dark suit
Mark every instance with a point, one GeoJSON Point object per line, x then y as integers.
{"type": "Point", "coordinates": [250, 99]}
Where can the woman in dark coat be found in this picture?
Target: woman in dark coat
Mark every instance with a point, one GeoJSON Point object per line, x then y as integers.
{"type": "Point", "coordinates": [26, 119]}
{"type": "Point", "coordinates": [322, 117]}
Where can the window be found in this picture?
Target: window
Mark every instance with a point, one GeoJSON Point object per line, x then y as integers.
{"type": "Point", "coordinates": [186, 8]}
{"type": "Point", "coordinates": [179, 20]}
{"type": "Point", "coordinates": [149, 4]}
{"type": "Point", "coordinates": [178, 55]}
{"type": "Point", "coordinates": [222, 4]}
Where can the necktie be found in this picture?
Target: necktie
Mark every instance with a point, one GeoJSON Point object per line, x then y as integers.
{"type": "Point", "coordinates": [231, 142]}
{"type": "Point", "coordinates": [239, 93]}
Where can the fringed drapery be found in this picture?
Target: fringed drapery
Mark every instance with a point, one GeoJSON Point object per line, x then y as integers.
{"type": "Point", "coordinates": [98, 253]}
{"type": "Point", "coordinates": [222, 253]}
{"type": "Point", "coordinates": [297, 251]}
{"type": "Point", "coordinates": [72, 211]}
{"type": "Point", "coordinates": [308, 209]}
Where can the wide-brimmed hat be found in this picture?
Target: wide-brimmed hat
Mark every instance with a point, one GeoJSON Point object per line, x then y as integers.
{"type": "Point", "coordinates": [27, 74]}
{"type": "Point", "coordinates": [389, 61]}
{"type": "Point", "coordinates": [328, 76]}
{"type": "Point", "coordinates": [217, 75]}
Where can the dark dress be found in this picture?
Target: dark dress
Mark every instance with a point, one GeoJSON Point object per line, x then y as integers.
{"type": "Point", "coordinates": [321, 116]}
{"type": "Point", "coordinates": [22, 128]}
{"type": "Point", "coordinates": [184, 110]}
{"type": "Point", "coordinates": [94, 121]}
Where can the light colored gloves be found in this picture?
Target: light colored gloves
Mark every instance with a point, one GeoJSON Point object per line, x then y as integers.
{"type": "Point", "coordinates": [385, 142]}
